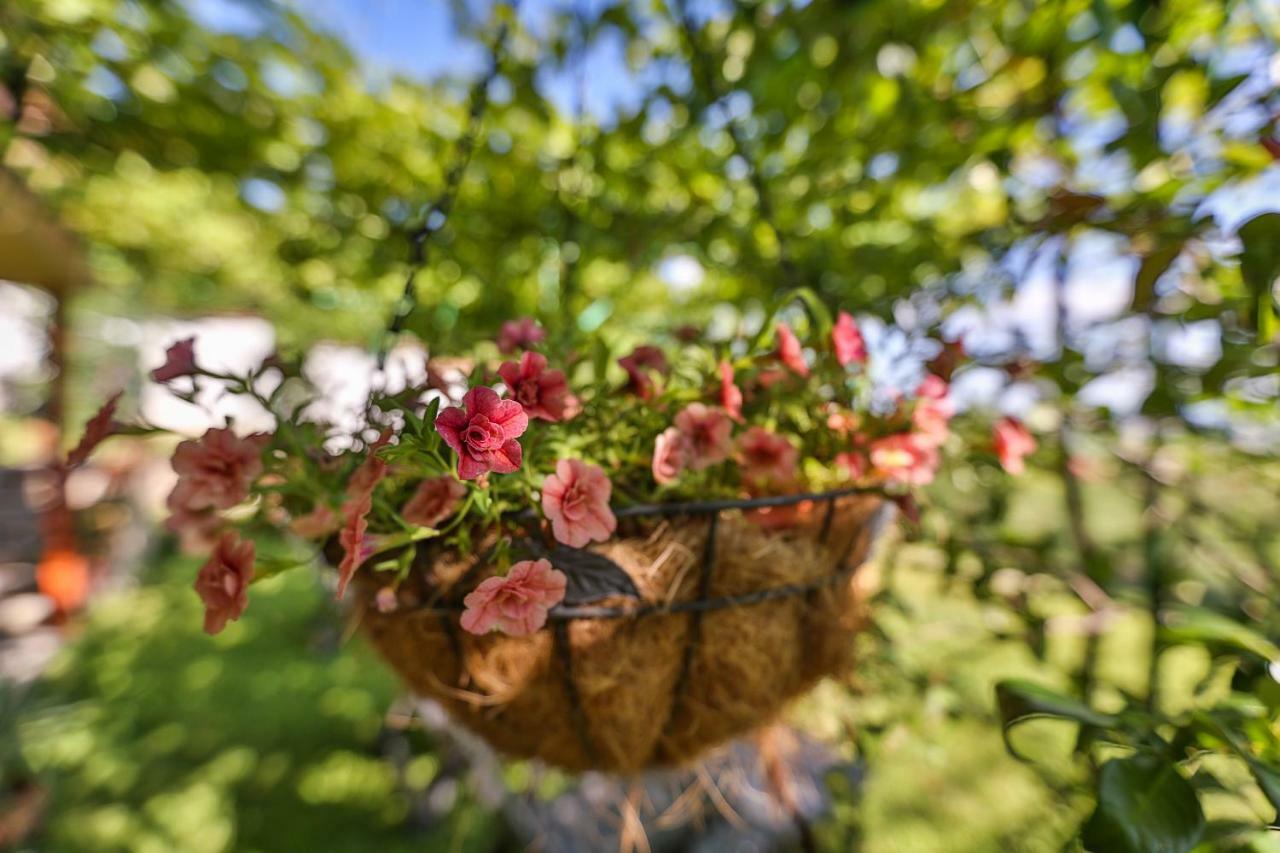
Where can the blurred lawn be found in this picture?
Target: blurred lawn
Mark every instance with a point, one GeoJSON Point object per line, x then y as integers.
{"type": "Point", "coordinates": [155, 737]}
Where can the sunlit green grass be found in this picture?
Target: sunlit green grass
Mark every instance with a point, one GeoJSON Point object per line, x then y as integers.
{"type": "Point", "coordinates": [153, 736]}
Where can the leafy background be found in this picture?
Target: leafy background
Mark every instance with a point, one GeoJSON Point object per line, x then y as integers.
{"type": "Point", "coordinates": [942, 164]}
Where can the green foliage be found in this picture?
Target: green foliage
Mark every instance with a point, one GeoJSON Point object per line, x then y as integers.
{"type": "Point", "coordinates": [1144, 806]}
{"type": "Point", "coordinates": [153, 737]}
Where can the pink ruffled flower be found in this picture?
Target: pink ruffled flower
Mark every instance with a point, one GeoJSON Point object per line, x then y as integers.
{"type": "Point", "coordinates": [640, 366]}
{"type": "Point", "coordinates": [483, 433]}
{"type": "Point", "coordinates": [790, 352]}
{"type": "Point", "coordinates": [846, 338]}
{"type": "Point", "coordinates": [1013, 442]}
{"type": "Point", "coordinates": [853, 463]}
{"type": "Point", "coordinates": [543, 393]}
{"type": "Point", "coordinates": [518, 334]}
{"type": "Point", "coordinates": [435, 499]}
{"type": "Point", "coordinates": [768, 460]}
{"type": "Point", "coordinates": [216, 471]}
{"type": "Point", "coordinates": [197, 530]}
{"type": "Point", "coordinates": [931, 417]}
{"type": "Point", "coordinates": [670, 455]}
{"type": "Point", "coordinates": [355, 512]}
{"type": "Point", "coordinates": [516, 604]}
{"type": "Point", "coordinates": [576, 501]}
{"type": "Point", "coordinates": [98, 429]}
{"type": "Point", "coordinates": [730, 394]}
{"type": "Point", "coordinates": [223, 582]}
{"type": "Point", "coordinates": [933, 387]}
{"type": "Point", "coordinates": [905, 459]}
{"type": "Point", "coordinates": [179, 360]}
{"type": "Point", "coordinates": [316, 524]}
{"type": "Point", "coordinates": [708, 433]}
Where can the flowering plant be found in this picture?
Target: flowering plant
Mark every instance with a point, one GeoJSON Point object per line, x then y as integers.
{"type": "Point", "coordinates": [543, 432]}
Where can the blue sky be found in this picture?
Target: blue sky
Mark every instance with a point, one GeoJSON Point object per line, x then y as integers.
{"type": "Point", "coordinates": [422, 39]}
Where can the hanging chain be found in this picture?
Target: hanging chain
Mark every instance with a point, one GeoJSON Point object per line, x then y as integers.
{"type": "Point", "coordinates": [435, 217]}
{"type": "Point", "coordinates": [705, 76]}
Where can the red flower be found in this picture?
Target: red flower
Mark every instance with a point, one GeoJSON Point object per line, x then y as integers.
{"type": "Point", "coordinates": [97, 430]}
{"type": "Point", "coordinates": [670, 455]}
{"type": "Point", "coordinates": [905, 459]}
{"type": "Point", "coordinates": [518, 334]}
{"type": "Point", "coordinates": [854, 464]}
{"type": "Point", "coordinates": [640, 365]}
{"type": "Point", "coordinates": [197, 530]}
{"type": "Point", "coordinates": [355, 511]}
{"type": "Point", "coordinates": [483, 433]}
{"type": "Point", "coordinates": [730, 394]}
{"type": "Point", "coordinates": [1013, 442]}
{"type": "Point", "coordinates": [435, 500]}
{"type": "Point", "coordinates": [790, 352]}
{"type": "Point", "coordinates": [179, 360]}
{"type": "Point", "coordinates": [847, 341]}
{"type": "Point", "coordinates": [576, 501]}
{"type": "Point", "coordinates": [543, 393]}
{"type": "Point", "coordinates": [217, 470]}
{"type": "Point", "coordinates": [708, 434]}
{"type": "Point", "coordinates": [933, 411]}
{"type": "Point", "coordinates": [516, 604]}
{"type": "Point", "coordinates": [767, 459]}
{"type": "Point", "coordinates": [223, 582]}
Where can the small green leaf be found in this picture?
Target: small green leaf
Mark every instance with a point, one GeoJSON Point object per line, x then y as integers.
{"type": "Point", "coordinates": [1260, 259]}
{"type": "Point", "coordinates": [1020, 701]}
{"type": "Point", "coordinates": [1144, 806]}
{"type": "Point", "coordinates": [1200, 626]}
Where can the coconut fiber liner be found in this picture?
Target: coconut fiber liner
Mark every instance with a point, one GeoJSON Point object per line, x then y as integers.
{"type": "Point", "coordinates": [734, 618]}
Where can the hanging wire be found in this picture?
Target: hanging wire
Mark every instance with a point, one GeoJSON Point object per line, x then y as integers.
{"type": "Point", "coordinates": [437, 214]}
{"type": "Point", "coordinates": [701, 67]}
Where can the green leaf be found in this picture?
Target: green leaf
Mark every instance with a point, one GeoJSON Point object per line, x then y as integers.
{"type": "Point", "coordinates": [1019, 701]}
{"type": "Point", "coordinates": [1260, 260]}
{"type": "Point", "coordinates": [1267, 775]}
{"type": "Point", "coordinates": [1154, 265]}
{"type": "Point", "coordinates": [1144, 806]}
{"type": "Point", "coordinates": [1205, 627]}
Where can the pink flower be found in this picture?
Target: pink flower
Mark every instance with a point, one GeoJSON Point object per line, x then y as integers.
{"type": "Point", "coordinates": [576, 500]}
{"type": "Point", "coordinates": [316, 524]}
{"type": "Point", "coordinates": [483, 433]}
{"type": "Point", "coordinates": [518, 334]}
{"type": "Point", "coordinates": [179, 360]}
{"type": "Point", "coordinates": [223, 582]}
{"type": "Point", "coordinates": [790, 352]}
{"type": "Point", "coordinates": [435, 499]}
{"type": "Point", "coordinates": [933, 411]}
{"type": "Point", "coordinates": [197, 530]}
{"type": "Point", "coordinates": [217, 470]}
{"type": "Point", "coordinates": [543, 393]}
{"type": "Point", "coordinates": [767, 459]}
{"type": "Point", "coordinates": [854, 464]}
{"type": "Point", "coordinates": [1013, 443]}
{"type": "Point", "coordinates": [933, 387]}
{"type": "Point", "coordinates": [670, 455]}
{"type": "Point", "coordinates": [708, 433]}
{"type": "Point", "coordinates": [847, 341]}
{"type": "Point", "coordinates": [98, 429]}
{"type": "Point", "coordinates": [355, 512]}
{"type": "Point", "coordinates": [516, 604]}
{"type": "Point", "coordinates": [905, 459]}
{"type": "Point", "coordinates": [730, 394]}
{"type": "Point", "coordinates": [640, 366]}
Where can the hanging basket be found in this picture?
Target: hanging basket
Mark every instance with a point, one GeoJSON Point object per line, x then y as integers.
{"type": "Point", "coordinates": [696, 624]}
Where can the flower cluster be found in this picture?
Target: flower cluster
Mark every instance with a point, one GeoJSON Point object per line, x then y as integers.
{"type": "Point", "coordinates": [560, 441]}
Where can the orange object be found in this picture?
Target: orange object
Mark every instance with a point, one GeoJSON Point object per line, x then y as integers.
{"type": "Point", "coordinates": [63, 576]}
